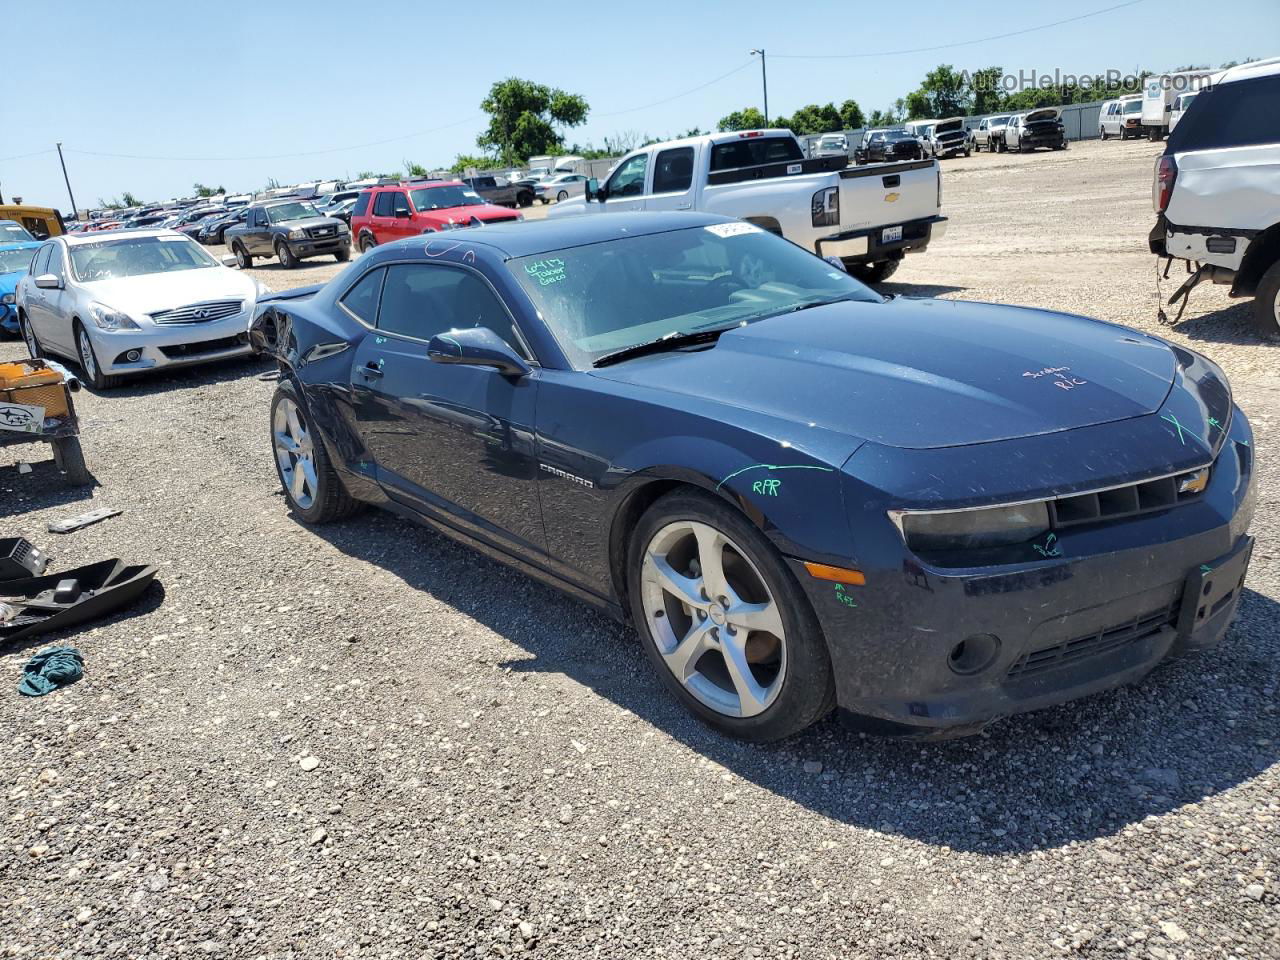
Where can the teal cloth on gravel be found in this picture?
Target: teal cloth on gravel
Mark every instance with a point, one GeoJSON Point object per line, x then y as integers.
{"type": "Point", "coordinates": [50, 669]}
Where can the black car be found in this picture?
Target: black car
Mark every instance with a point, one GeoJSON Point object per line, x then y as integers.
{"type": "Point", "coordinates": [930, 513]}
{"type": "Point", "coordinates": [883, 146]}
{"type": "Point", "coordinates": [213, 230]}
{"type": "Point", "coordinates": [501, 191]}
{"type": "Point", "coordinates": [290, 230]}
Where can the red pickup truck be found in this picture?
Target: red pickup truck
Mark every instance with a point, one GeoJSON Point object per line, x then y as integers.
{"type": "Point", "coordinates": [394, 211]}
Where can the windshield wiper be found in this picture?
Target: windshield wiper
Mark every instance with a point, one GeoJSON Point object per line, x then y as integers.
{"type": "Point", "coordinates": [670, 341]}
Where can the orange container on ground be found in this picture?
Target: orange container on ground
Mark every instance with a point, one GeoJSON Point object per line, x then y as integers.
{"type": "Point", "coordinates": [31, 382]}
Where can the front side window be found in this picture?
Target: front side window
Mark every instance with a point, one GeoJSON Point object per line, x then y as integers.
{"type": "Point", "coordinates": [673, 170]}
{"type": "Point", "coordinates": [422, 300]}
{"type": "Point", "coordinates": [628, 179]}
{"type": "Point", "coordinates": [137, 256]}
{"type": "Point", "coordinates": [603, 297]}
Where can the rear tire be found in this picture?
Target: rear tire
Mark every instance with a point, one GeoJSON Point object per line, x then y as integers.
{"type": "Point", "coordinates": [1266, 303]}
{"type": "Point", "coordinates": [789, 676]}
{"type": "Point", "coordinates": [311, 485]}
{"type": "Point", "coordinates": [69, 458]}
{"type": "Point", "coordinates": [877, 272]}
{"type": "Point", "coordinates": [562, 196]}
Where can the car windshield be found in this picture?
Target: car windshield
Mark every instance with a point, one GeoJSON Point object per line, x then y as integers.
{"type": "Point", "coordinates": [1185, 101]}
{"type": "Point", "coordinates": [284, 212]}
{"type": "Point", "coordinates": [1133, 106]}
{"type": "Point", "coordinates": [136, 256]}
{"type": "Point", "coordinates": [441, 198]}
{"type": "Point", "coordinates": [898, 135]}
{"type": "Point", "coordinates": [604, 297]}
{"type": "Point", "coordinates": [998, 121]}
{"type": "Point", "coordinates": [12, 261]}
{"type": "Point", "coordinates": [13, 232]}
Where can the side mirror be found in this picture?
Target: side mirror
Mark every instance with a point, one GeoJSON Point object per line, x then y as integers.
{"type": "Point", "coordinates": [592, 191]}
{"type": "Point", "coordinates": [48, 281]}
{"type": "Point", "coordinates": [477, 347]}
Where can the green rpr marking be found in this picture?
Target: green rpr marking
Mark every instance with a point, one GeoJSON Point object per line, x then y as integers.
{"type": "Point", "coordinates": [772, 466]}
{"type": "Point", "coordinates": [1050, 548]}
{"type": "Point", "coordinates": [768, 488]}
{"type": "Point", "coordinates": [1174, 420]}
{"type": "Point", "coordinates": [843, 597]}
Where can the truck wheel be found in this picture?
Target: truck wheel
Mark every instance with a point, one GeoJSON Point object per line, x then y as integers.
{"type": "Point", "coordinates": [284, 253]}
{"type": "Point", "coordinates": [524, 199]}
{"type": "Point", "coordinates": [69, 458]}
{"type": "Point", "coordinates": [343, 255]}
{"type": "Point", "coordinates": [1266, 303]}
{"type": "Point", "coordinates": [873, 272]}
{"type": "Point", "coordinates": [243, 260]}
{"type": "Point", "coordinates": [367, 242]}
{"type": "Point", "coordinates": [1102, 133]}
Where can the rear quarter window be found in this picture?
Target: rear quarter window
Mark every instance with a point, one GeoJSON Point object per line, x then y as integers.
{"type": "Point", "coordinates": [362, 205]}
{"type": "Point", "coordinates": [1241, 114]}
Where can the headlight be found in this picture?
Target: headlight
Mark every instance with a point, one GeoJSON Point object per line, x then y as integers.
{"type": "Point", "coordinates": [297, 234]}
{"type": "Point", "coordinates": [342, 228]}
{"type": "Point", "coordinates": [108, 319]}
{"type": "Point", "coordinates": [826, 207]}
{"type": "Point", "coordinates": [8, 298]}
{"type": "Point", "coordinates": [973, 529]}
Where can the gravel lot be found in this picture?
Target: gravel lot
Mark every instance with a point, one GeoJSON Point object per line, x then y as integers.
{"type": "Point", "coordinates": [365, 741]}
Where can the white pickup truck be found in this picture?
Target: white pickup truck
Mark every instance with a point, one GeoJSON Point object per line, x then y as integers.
{"type": "Point", "coordinates": [868, 217]}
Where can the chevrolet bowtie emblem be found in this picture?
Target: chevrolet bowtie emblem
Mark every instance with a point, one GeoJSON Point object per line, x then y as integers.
{"type": "Point", "coordinates": [891, 197]}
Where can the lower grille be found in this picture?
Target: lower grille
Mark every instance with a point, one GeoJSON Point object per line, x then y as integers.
{"type": "Point", "coordinates": [204, 346]}
{"type": "Point", "coordinates": [1094, 644]}
{"type": "Point", "coordinates": [205, 312]}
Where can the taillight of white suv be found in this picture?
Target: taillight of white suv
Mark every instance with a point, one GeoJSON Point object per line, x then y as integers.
{"type": "Point", "coordinates": [1162, 186]}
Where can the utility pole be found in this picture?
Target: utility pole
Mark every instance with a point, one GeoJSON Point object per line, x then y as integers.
{"type": "Point", "coordinates": [764, 82]}
{"type": "Point", "coordinates": [74, 215]}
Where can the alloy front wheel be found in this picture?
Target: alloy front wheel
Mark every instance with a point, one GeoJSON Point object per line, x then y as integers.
{"type": "Point", "coordinates": [295, 454]}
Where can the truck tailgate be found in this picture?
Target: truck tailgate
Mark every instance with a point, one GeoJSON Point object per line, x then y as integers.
{"type": "Point", "coordinates": [888, 193]}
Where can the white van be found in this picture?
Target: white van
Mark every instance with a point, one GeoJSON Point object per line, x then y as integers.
{"type": "Point", "coordinates": [1180, 104]}
{"type": "Point", "coordinates": [1121, 118]}
{"type": "Point", "coordinates": [1159, 93]}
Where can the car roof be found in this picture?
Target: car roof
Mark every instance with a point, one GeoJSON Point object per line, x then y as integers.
{"type": "Point", "coordinates": [522, 239]}
{"type": "Point", "coordinates": [1249, 71]}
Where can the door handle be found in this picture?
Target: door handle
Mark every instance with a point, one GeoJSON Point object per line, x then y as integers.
{"type": "Point", "coordinates": [372, 369]}
{"type": "Point", "coordinates": [683, 206]}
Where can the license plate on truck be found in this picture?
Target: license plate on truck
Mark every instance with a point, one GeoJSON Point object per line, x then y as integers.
{"type": "Point", "coordinates": [891, 234]}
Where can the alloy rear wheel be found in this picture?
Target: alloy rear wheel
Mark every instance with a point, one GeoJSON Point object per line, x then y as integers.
{"type": "Point", "coordinates": [311, 486]}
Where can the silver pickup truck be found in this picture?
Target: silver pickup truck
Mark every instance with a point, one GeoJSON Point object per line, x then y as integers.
{"type": "Point", "coordinates": [868, 217]}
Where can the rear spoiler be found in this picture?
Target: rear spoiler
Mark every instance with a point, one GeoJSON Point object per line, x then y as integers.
{"type": "Point", "coordinates": [787, 168]}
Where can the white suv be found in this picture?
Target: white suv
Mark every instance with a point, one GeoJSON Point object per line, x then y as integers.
{"type": "Point", "coordinates": [1217, 188]}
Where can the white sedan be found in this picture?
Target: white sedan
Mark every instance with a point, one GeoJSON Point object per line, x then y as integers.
{"type": "Point", "coordinates": [124, 302]}
{"type": "Point", "coordinates": [561, 187]}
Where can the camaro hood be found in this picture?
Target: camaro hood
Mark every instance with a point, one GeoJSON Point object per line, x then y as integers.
{"type": "Point", "coordinates": [163, 291]}
{"type": "Point", "coordinates": [923, 373]}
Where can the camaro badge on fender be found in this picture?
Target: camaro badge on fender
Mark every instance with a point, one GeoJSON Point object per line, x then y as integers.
{"type": "Point", "coordinates": [566, 476]}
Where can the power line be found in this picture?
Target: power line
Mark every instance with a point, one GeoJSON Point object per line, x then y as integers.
{"type": "Point", "coordinates": [23, 156]}
{"type": "Point", "coordinates": [701, 86]}
{"type": "Point", "coordinates": [958, 43]}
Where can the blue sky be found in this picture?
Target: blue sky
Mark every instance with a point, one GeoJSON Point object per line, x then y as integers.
{"type": "Point", "coordinates": [234, 81]}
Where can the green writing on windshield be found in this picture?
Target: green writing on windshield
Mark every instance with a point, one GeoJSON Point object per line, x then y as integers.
{"type": "Point", "coordinates": [547, 271]}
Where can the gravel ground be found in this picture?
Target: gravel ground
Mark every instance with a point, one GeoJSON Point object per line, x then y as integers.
{"type": "Point", "coordinates": [365, 741]}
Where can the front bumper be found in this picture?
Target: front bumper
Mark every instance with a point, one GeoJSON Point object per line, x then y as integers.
{"type": "Point", "coordinates": [1044, 140]}
{"type": "Point", "coordinates": [945, 151]}
{"type": "Point", "coordinates": [1079, 623]}
{"type": "Point", "coordinates": [177, 346]}
{"type": "Point", "coordinates": [868, 245]}
{"type": "Point", "coordinates": [316, 247]}
{"type": "Point", "coordinates": [9, 318]}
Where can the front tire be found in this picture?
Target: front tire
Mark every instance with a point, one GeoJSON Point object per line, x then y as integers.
{"type": "Point", "coordinates": [89, 361]}
{"type": "Point", "coordinates": [1266, 303]}
{"type": "Point", "coordinates": [284, 253]}
{"type": "Point", "coordinates": [29, 337]}
{"type": "Point", "coordinates": [873, 272]}
{"type": "Point", "coordinates": [562, 196]}
{"type": "Point", "coordinates": [311, 486]}
{"type": "Point", "coordinates": [367, 242]}
{"type": "Point", "coordinates": [343, 255]}
{"type": "Point", "coordinates": [243, 260]}
{"type": "Point", "coordinates": [1102, 133]}
{"type": "Point", "coordinates": [731, 633]}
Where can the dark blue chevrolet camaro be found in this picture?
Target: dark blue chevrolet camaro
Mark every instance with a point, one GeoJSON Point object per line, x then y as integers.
{"type": "Point", "coordinates": [803, 494]}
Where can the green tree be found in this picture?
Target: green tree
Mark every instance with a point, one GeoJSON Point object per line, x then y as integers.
{"type": "Point", "coordinates": [525, 117]}
{"type": "Point", "coordinates": [851, 117]}
{"type": "Point", "coordinates": [364, 174]}
{"type": "Point", "coordinates": [748, 119]}
{"type": "Point", "coordinates": [943, 93]}
{"type": "Point", "coordinates": [129, 200]}
{"type": "Point", "coordinates": [463, 160]}
{"type": "Point", "coordinates": [812, 118]}
{"type": "Point", "coordinates": [415, 169]}
{"type": "Point", "coordinates": [984, 87]}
